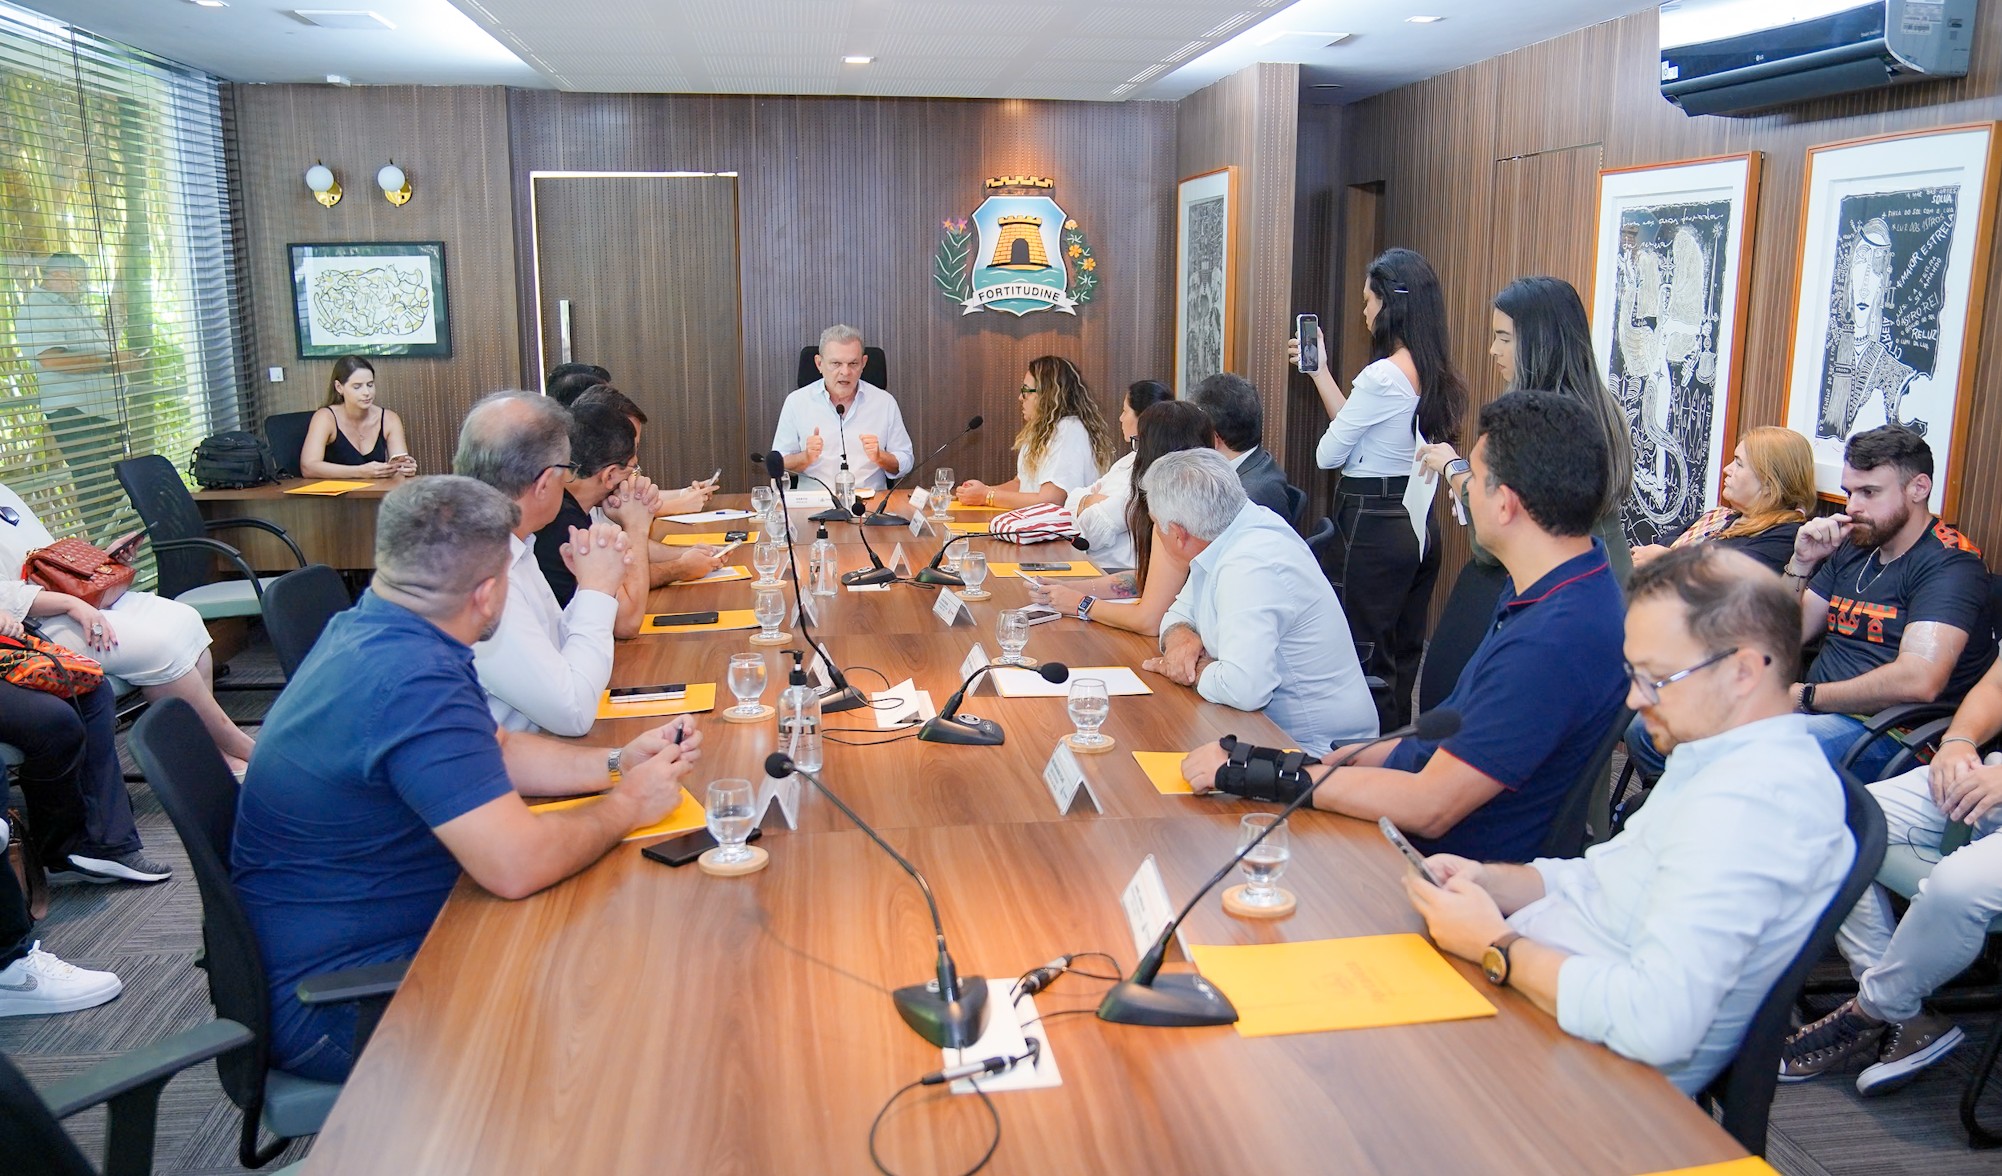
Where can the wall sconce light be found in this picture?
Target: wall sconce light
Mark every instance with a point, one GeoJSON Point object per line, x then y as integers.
{"type": "Point", "coordinates": [394, 184]}
{"type": "Point", "coordinates": [326, 189]}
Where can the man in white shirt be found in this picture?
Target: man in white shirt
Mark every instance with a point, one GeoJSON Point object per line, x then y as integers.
{"type": "Point", "coordinates": [77, 367]}
{"type": "Point", "coordinates": [544, 667]}
{"type": "Point", "coordinates": [842, 418]}
{"type": "Point", "coordinates": [1662, 942]}
{"type": "Point", "coordinates": [1256, 626]}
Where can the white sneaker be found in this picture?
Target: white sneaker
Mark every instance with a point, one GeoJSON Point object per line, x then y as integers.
{"type": "Point", "coordinates": [40, 983]}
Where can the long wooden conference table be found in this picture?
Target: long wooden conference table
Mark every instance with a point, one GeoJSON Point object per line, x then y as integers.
{"type": "Point", "coordinates": [643, 1019]}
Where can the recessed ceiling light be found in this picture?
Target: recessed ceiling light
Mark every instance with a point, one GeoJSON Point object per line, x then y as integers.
{"type": "Point", "coordinates": [856, 59]}
{"type": "Point", "coordinates": [1423, 19]}
{"type": "Point", "coordinates": [209, 3]}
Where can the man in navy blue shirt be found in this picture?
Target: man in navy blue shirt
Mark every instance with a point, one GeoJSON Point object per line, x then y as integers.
{"type": "Point", "coordinates": [1545, 684]}
{"type": "Point", "coordinates": [379, 774]}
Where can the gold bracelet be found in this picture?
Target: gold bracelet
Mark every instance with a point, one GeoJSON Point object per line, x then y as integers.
{"type": "Point", "coordinates": [990, 499]}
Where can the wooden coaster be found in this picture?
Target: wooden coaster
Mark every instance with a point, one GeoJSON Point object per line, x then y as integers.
{"type": "Point", "coordinates": [970, 594]}
{"type": "Point", "coordinates": [758, 860]}
{"type": "Point", "coordinates": [1100, 748]}
{"type": "Point", "coordinates": [764, 712]}
{"type": "Point", "coordinates": [1233, 903]}
{"type": "Point", "coordinates": [1026, 663]}
{"type": "Point", "coordinates": [774, 639]}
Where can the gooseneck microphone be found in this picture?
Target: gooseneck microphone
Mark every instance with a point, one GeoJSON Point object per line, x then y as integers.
{"type": "Point", "coordinates": [878, 517]}
{"type": "Point", "coordinates": [931, 573]}
{"type": "Point", "coordinates": [836, 512]}
{"type": "Point", "coordinates": [947, 1011]}
{"type": "Point", "coordinates": [843, 697]}
{"type": "Point", "coordinates": [949, 726]}
{"type": "Point", "coordinates": [1181, 999]}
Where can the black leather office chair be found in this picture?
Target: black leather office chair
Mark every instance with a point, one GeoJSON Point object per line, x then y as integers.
{"type": "Point", "coordinates": [1322, 539]}
{"type": "Point", "coordinates": [297, 606]}
{"type": "Point", "coordinates": [875, 367]}
{"type": "Point", "coordinates": [1584, 817]}
{"type": "Point", "coordinates": [285, 432]}
{"type": "Point", "coordinates": [199, 794]}
{"type": "Point", "coordinates": [1744, 1090]}
{"type": "Point", "coordinates": [1296, 505]}
{"type": "Point", "coordinates": [1470, 610]}
{"type": "Point", "coordinates": [31, 1135]}
{"type": "Point", "coordinates": [182, 547]}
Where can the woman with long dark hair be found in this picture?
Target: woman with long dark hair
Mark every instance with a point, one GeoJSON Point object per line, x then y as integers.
{"type": "Point", "coordinates": [1157, 576]}
{"type": "Point", "coordinates": [1407, 396]}
{"type": "Point", "coordinates": [1100, 508]}
{"type": "Point", "coordinates": [1064, 443]}
{"type": "Point", "coordinates": [1542, 340]}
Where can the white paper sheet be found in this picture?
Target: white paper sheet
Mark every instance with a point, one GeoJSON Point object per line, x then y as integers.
{"type": "Point", "coordinates": [709, 516]}
{"type": "Point", "coordinates": [1015, 682]}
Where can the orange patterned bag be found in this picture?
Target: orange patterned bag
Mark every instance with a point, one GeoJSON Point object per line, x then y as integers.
{"type": "Point", "coordinates": [33, 663]}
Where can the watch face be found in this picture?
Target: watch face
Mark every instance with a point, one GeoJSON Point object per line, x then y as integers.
{"type": "Point", "coordinates": [1495, 965]}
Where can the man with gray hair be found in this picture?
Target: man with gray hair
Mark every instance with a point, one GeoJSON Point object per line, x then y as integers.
{"type": "Point", "coordinates": [378, 776]}
{"type": "Point", "coordinates": [546, 665]}
{"type": "Point", "coordinates": [1256, 626]}
{"type": "Point", "coordinates": [842, 419]}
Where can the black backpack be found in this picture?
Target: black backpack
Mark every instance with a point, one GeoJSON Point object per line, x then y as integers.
{"type": "Point", "coordinates": [232, 461]}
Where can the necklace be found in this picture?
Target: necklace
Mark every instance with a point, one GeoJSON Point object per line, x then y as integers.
{"type": "Point", "coordinates": [1867, 561]}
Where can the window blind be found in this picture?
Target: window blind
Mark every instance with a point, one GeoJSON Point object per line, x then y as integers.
{"type": "Point", "coordinates": [119, 319]}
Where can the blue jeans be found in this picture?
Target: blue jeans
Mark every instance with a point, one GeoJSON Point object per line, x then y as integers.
{"type": "Point", "coordinates": [1835, 733]}
{"type": "Point", "coordinates": [316, 1042]}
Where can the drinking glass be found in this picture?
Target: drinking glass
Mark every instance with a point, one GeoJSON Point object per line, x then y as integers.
{"type": "Point", "coordinates": [730, 817]}
{"type": "Point", "coordinates": [973, 570]}
{"type": "Point", "coordinates": [747, 682]}
{"type": "Point", "coordinates": [1262, 866]}
{"type": "Point", "coordinates": [766, 557]}
{"type": "Point", "coordinates": [1012, 630]}
{"type": "Point", "coordinates": [770, 610]}
{"type": "Point", "coordinates": [763, 498]}
{"type": "Point", "coordinates": [941, 493]}
{"type": "Point", "coordinates": [1089, 705]}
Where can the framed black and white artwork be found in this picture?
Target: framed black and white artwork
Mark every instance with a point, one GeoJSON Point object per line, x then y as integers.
{"type": "Point", "coordinates": [1894, 243]}
{"type": "Point", "coordinates": [1205, 284]}
{"type": "Point", "coordinates": [1669, 299]}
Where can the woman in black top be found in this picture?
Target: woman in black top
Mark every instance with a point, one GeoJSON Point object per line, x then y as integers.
{"type": "Point", "coordinates": [351, 436]}
{"type": "Point", "coordinates": [1768, 493]}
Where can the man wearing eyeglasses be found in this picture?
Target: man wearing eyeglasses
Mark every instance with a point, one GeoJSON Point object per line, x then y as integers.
{"type": "Point", "coordinates": [1662, 942]}
{"type": "Point", "coordinates": [545, 665]}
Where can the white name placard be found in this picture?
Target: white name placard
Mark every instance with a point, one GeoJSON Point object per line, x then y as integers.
{"type": "Point", "coordinates": [1065, 778]}
{"type": "Point", "coordinates": [1148, 910]}
{"type": "Point", "coordinates": [949, 607]}
{"type": "Point", "coordinates": [975, 658]}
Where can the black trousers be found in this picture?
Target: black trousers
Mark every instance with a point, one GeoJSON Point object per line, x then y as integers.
{"type": "Point", "coordinates": [75, 790]}
{"type": "Point", "coordinates": [15, 925]}
{"type": "Point", "coordinates": [1384, 585]}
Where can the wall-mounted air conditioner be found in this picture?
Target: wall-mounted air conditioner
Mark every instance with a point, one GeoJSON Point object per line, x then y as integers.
{"type": "Point", "coordinates": [1738, 56]}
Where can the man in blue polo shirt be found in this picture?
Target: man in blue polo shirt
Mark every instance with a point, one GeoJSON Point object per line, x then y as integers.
{"type": "Point", "coordinates": [1546, 683]}
{"type": "Point", "coordinates": [378, 776]}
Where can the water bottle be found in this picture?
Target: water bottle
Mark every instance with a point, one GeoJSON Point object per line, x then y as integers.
{"type": "Point", "coordinates": [799, 718]}
{"type": "Point", "coordinates": [823, 567]}
{"type": "Point", "coordinates": [844, 488]}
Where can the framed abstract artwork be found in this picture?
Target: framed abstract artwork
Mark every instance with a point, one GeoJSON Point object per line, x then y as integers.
{"type": "Point", "coordinates": [1670, 288]}
{"type": "Point", "coordinates": [370, 298]}
{"type": "Point", "coordinates": [1894, 241]}
{"type": "Point", "coordinates": [1205, 284]}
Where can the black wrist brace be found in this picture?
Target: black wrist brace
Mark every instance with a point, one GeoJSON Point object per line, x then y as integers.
{"type": "Point", "coordinates": [1262, 773]}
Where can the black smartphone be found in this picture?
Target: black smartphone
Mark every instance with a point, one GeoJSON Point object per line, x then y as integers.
{"type": "Point", "coordinates": [1307, 329]}
{"type": "Point", "coordinates": [1044, 567]}
{"type": "Point", "coordinates": [1395, 836]}
{"type": "Point", "coordinates": [669, 620]}
{"type": "Point", "coordinates": [679, 851]}
{"type": "Point", "coordinates": [657, 693]}
{"type": "Point", "coordinates": [736, 536]}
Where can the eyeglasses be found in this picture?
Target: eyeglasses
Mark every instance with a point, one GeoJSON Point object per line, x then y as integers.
{"type": "Point", "coordinates": [576, 471]}
{"type": "Point", "coordinates": [1650, 688]}
{"type": "Point", "coordinates": [1026, 391]}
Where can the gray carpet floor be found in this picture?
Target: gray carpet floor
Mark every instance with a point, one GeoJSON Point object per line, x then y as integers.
{"type": "Point", "coordinates": [149, 936]}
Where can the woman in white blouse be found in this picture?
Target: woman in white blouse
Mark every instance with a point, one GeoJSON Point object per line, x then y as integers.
{"type": "Point", "coordinates": [1064, 444]}
{"type": "Point", "coordinates": [1100, 508]}
{"type": "Point", "coordinates": [1407, 396]}
{"type": "Point", "coordinates": [158, 645]}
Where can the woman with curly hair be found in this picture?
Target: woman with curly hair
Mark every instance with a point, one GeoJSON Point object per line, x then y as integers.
{"type": "Point", "coordinates": [1065, 442]}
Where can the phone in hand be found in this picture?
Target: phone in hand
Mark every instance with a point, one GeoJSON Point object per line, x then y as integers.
{"type": "Point", "coordinates": [1396, 837]}
{"type": "Point", "coordinates": [1044, 567]}
{"type": "Point", "coordinates": [717, 476]}
{"type": "Point", "coordinates": [656, 693]}
{"type": "Point", "coordinates": [1307, 329]}
{"type": "Point", "coordinates": [679, 851]}
{"type": "Point", "coordinates": [677, 620]}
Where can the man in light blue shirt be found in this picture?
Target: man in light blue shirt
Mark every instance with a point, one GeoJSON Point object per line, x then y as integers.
{"type": "Point", "coordinates": [1256, 626]}
{"type": "Point", "coordinates": [842, 417]}
{"type": "Point", "coordinates": [1662, 942]}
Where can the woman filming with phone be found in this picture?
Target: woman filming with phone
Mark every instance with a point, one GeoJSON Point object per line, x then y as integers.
{"type": "Point", "coordinates": [351, 435]}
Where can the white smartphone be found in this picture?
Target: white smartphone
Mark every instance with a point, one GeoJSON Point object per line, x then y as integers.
{"type": "Point", "coordinates": [1307, 329]}
{"type": "Point", "coordinates": [1396, 837]}
{"type": "Point", "coordinates": [727, 548]}
{"type": "Point", "coordinates": [664, 691]}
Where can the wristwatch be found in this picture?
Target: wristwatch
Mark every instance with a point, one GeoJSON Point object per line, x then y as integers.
{"type": "Point", "coordinates": [1084, 607]}
{"type": "Point", "coordinates": [612, 762]}
{"type": "Point", "coordinates": [1494, 961]}
{"type": "Point", "coordinates": [1807, 699]}
{"type": "Point", "coordinates": [1458, 465]}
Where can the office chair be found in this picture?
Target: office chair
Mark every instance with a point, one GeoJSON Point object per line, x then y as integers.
{"type": "Point", "coordinates": [182, 548]}
{"type": "Point", "coordinates": [285, 432]}
{"type": "Point", "coordinates": [875, 367]}
{"type": "Point", "coordinates": [1469, 614]}
{"type": "Point", "coordinates": [200, 795]}
{"type": "Point", "coordinates": [1583, 815]}
{"type": "Point", "coordinates": [297, 606]}
{"type": "Point", "coordinates": [1296, 505]}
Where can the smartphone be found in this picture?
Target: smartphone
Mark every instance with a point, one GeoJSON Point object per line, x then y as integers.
{"type": "Point", "coordinates": [1040, 614]}
{"type": "Point", "coordinates": [1044, 567]}
{"type": "Point", "coordinates": [673, 620]}
{"type": "Point", "coordinates": [735, 536]}
{"type": "Point", "coordinates": [679, 851]}
{"type": "Point", "coordinates": [1410, 852]}
{"type": "Point", "coordinates": [717, 476]}
{"type": "Point", "coordinates": [1307, 329]}
{"type": "Point", "coordinates": [729, 547]}
{"type": "Point", "coordinates": [656, 693]}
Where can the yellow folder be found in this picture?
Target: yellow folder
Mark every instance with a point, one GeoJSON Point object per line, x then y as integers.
{"type": "Point", "coordinates": [959, 528]}
{"type": "Point", "coordinates": [687, 817]}
{"type": "Point", "coordinates": [1358, 983]}
{"type": "Point", "coordinates": [1079, 569]}
{"type": "Point", "coordinates": [729, 618]}
{"type": "Point", "coordinates": [1749, 1166]}
{"type": "Point", "coordinates": [700, 700]}
{"type": "Point", "coordinates": [1164, 771]}
{"type": "Point", "coordinates": [702, 539]}
{"type": "Point", "coordinates": [329, 488]}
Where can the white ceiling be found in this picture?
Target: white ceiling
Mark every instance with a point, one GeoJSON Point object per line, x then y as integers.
{"type": "Point", "coordinates": [1094, 50]}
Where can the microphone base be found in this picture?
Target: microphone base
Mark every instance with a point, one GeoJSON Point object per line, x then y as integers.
{"type": "Point", "coordinates": [963, 730]}
{"type": "Point", "coordinates": [943, 579]}
{"type": "Point", "coordinates": [948, 1024]}
{"type": "Point", "coordinates": [1175, 1000]}
{"type": "Point", "coordinates": [869, 576]}
{"type": "Point", "coordinates": [833, 514]}
{"type": "Point", "coordinates": [885, 520]}
{"type": "Point", "coordinates": [846, 699]}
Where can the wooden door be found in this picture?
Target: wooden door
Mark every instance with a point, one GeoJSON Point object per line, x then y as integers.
{"type": "Point", "coordinates": [646, 268]}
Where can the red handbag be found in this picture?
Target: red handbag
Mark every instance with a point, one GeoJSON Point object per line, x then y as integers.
{"type": "Point", "coordinates": [75, 568]}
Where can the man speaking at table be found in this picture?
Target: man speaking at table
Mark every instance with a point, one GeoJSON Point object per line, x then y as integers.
{"type": "Point", "coordinates": [378, 775]}
{"type": "Point", "coordinates": [840, 417]}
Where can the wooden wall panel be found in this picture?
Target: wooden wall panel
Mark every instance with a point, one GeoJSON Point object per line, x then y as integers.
{"type": "Point", "coordinates": [452, 143]}
{"type": "Point", "coordinates": [1250, 120]}
{"type": "Point", "coordinates": [1317, 269]}
{"type": "Point", "coordinates": [1436, 147]}
{"type": "Point", "coordinates": [840, 203]}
